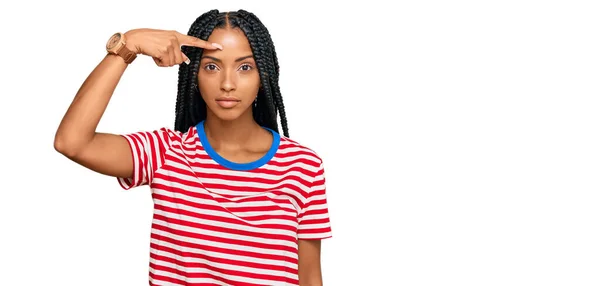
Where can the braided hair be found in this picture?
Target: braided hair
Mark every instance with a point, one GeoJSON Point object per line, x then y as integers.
{"type": "Point", "coordinates": [191, 108]}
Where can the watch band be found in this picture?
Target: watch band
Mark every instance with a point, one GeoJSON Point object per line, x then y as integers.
{"type": "Point", "coordinates": [127, 54]}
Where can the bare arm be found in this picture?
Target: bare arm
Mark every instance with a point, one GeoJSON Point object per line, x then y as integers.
{"type": "Point", "coordinates": [309, 262]}
{"type": "Point", "coordinates": [76, 137]}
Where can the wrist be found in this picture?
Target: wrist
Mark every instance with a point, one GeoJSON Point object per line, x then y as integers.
{"type": "Point", "coordinates": [130, 41]}
{"type": "Point", "coordinates": [118, 44]}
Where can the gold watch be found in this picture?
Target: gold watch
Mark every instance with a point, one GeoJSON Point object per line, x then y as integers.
{"type": "Point", "coordinates": [116, 45]}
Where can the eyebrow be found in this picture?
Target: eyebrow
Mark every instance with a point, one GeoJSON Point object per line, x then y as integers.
{"type": "Point", "coordinates": [219, 60]}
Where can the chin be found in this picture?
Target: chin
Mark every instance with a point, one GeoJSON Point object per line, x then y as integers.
{"type": "Point", "coordinates": [227, 114]}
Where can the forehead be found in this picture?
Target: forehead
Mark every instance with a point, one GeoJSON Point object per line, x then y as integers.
{"type": "Point", "coordinates": [234, 42]}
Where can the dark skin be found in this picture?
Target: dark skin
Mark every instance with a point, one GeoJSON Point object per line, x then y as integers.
{"type": "Point", "coordinates": [231, 73]}
{"type": "Point", "coordinates": [232, 131]}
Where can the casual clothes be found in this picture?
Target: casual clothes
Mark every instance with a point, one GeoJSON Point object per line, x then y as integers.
{"type": "Point", "coordinates": [218, 222]}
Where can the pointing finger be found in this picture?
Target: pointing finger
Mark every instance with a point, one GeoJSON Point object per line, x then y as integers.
{"type": "Point", "coordinates": [197, 42]}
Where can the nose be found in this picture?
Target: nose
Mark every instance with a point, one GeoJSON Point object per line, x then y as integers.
{"type": "Point", "coordinates": [228, 80]}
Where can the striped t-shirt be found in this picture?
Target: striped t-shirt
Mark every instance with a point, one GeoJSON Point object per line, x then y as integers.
{"type": "Point", "coordinates": [218, 222]}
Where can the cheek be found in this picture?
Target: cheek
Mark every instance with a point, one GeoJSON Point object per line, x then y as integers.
{"type": "Point", "coordinates": [207, 85]}
{"type": "Point", "coordinates": [249, 82]}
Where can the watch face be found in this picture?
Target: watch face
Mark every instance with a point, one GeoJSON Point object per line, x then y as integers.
{"type": "Point", "coordinates": [113, 41]}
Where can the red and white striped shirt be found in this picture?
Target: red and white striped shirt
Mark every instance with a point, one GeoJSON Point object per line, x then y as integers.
{"type": "Point", "coordinates": [218, 222]}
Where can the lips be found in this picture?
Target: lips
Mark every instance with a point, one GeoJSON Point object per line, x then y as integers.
{"type": "Point", "coordinates": [227, 102]}
{"type": "Point", "coordinates": [227, 99]}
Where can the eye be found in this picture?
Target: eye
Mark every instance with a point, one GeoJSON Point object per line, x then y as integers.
{"type": "Point", "coordinates": [246, 67]}
{"type": "Point", "coordinates": [210, 67]}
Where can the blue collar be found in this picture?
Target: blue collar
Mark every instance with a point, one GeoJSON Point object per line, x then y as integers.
{"type": "Point", "coordinates": [233, 165]}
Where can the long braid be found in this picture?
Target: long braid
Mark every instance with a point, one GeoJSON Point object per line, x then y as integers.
{"type": "Point", "coordinates": [198, 106]}
{"type": "Point", "coordinates": [188, 107]}
{"type": "Point", "coordinates": [268, 50]}
{"type": "Point", "coordinates": [258, 49]}
{"type": "Point", "coordinates": [191, 108]}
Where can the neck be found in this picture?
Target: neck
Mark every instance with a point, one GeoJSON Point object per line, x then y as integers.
{"type": "Point", "coordinates": [230, 133]}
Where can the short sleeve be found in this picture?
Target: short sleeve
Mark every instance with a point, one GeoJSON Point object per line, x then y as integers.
{"type": "Point", "coordinates": [313, 220]}
{"type": "Point", "coordinates": [148, 153]}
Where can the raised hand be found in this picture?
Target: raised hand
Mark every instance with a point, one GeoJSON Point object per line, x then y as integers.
{"type": "Point", "coordinates": [164, 46]}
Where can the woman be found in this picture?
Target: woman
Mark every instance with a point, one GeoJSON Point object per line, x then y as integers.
{"type": "Point", "coordinates": [235, 202]}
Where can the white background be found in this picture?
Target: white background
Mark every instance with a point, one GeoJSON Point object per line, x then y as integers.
{"type": "Point", "coordinates": [461, 138]}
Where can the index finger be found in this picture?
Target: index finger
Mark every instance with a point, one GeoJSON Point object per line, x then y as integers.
{"type": "Point", "coordinates": [187, 40]}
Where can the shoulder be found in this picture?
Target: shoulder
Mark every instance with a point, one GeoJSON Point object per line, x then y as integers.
{"type": "Point", "coordinates": [164, 135]}
{"type": "Point", "coordinates": [181, 136]}
{"type": "Point", "coordinates": [296, 148]}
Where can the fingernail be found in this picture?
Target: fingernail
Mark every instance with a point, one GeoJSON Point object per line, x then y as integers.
{"type": "Point", "coordinates": [187, 61]}
{"type": "Point", "coordinates": [217, 46]}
